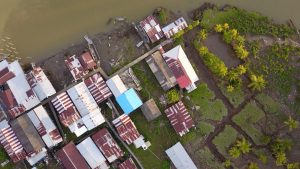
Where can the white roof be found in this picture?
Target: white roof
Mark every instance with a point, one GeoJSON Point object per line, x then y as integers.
{"type": "Point", "coordinates": [180, 157]}
{"type": "Point", "coordinates": [40, 83]}
{"type": "Point", "coordinates": [92, 154]}
{"type": "Point", "coordinates": [19, 85]}
{"type": "Point", "coordinates": [37, 157]}
{"type": "Point", "coordinates": [116, 85]}
{"type": "Point", "coordinates": [86, 105]}
{"type": "Point", "coordinates": [168, 27]}
{"type": "Point", "coordinates": [177, 53]}
{"type": "Point", "coordinates": [44, 125]}
{"type": "Point", "coordinates": [78, 128]}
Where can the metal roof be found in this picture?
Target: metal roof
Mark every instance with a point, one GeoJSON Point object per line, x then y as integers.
{"type": "Point", "coordinates": [180, 157]}
{"type": "Point", "coordinates": [87, 61]}
{"type": "Point", "coordinates": [40, 84]}
{"type": "Point", "coordinates": [129, 101]}
{"type": "Point", "coordinates": [127, 164]}
{"type": "Point", "coordinates": [116, 85]}
{"type": "Point", "coordinates": [71, 158]}
{"type": "Point", "coordinates": [107, 145]}
{"type": "Point", "coordinates": [179, 117]}
{"type": "Point", "coordinates": [174, 27]}
{"type": "Point", "coordinates": [152, 28]}
{"type": "Point", "coordinates": [150, 110]}
{"type": "Point", "coordinates": [91, 154]}
{"type": "Point", "coordinates": [98, 87]}
{"type": "Point", "coordinates": [75, 67]}
{"type": "Point", "coordinates": [45, 127]}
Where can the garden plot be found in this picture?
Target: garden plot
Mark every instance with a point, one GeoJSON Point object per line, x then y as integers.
{"type": "Point", "coordinates": [236, 97]}
{"type": "Point", "coordinates": [207, 160]}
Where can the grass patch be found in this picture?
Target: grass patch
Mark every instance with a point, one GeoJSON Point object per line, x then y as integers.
{"type": "Point", "coordinates": [236, 97]}
{"type": "Point", "coordinates": [3, 157]}
{"type": "Point", "coordinates": [225, 139]}
{"type": "Point", "coordinates": [205, 128]}
{"type": "Point", "coordinates": [204, 98]}
{"type": "Point", "coordinates": [247, 119]}
{"type": "Point", "coordinates": [208, 160]}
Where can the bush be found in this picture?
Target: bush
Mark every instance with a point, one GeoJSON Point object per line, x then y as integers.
{"type": "Point", "coordinates": [173, 96]}
{"type": "Point", "coordinates": [163, 16]}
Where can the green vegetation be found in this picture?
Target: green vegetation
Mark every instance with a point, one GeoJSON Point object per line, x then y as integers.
{"type": "Point", "coordinates": [236, 97]}
{"type": "Point", "coordinates": [3, 155]}
{"type": "Point", "coordinates": [247, 119]}
{"type": "Point", "coordinates": [257, 82]}
{"type": "Point", "coordinates": [293, 166]}
{"type": "Point", "coordinates": [208, 160]}
{"type": "Point", "coordinates": [242, 146]}
{"type": "Point", "coordinates": [253, 47]}
{"type": "Point", "coordinates": [291, 123]}
{"type": "Point", "coordinates": [173, 96]}
{"type": "Point", "coordinates": [225, 139]}
{"type": "Point", "coordinates": [163, 15]}
{"type": "Point", "coordinates": [245, 22]}
{"type": "Point", "coordinates": [205, 128]}
{"type": "Point", "coordinates": [209, 108]}
{"type": "Point", "coordinates": [252, 165]}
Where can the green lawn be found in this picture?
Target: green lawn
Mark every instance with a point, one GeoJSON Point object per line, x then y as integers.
{"type": "Point", "coordinates": [270, 105]}
{"type": "Point", "coordinates": [208, 160]}
{"type": "Point", "coordinates": [209, 108]}
{"type": "Point", "coordinates": [236, 97]}
{"type": "Point", "coordinates": [225, 139]}
{"type": "Point", "coordinates": [3, 157]}
{"type": "Point", "coordinates": [204, 128]}
{"type": "Point", "coordinates": [247, 118]}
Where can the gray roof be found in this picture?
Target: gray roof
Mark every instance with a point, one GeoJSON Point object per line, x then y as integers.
{"type": "Point", "coordinates": [150, 110]}
{"type": "Point", "coordinates": [161, 70]}
{"type": "Point", "coordinates": [180, 157]}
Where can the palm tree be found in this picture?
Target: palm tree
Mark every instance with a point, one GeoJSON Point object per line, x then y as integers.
{"type": "Point", "coordinates": [257, 82]}
{"type": "Point", "coordinates": [252, 165]}
{"type": "Point", "coordinates": [243, 145]}
{"type": "Point", "coordinates": [202, 34]}
{"type": "Point", "coordinates": [241, 69]}
{"type": "Point", "coordinates": [230, 88]}
{"type": "Point", "coordinates": [234, 33]}
{"type": "Point", "coordinates": [291, 123]}
{"type": "Point", "coordinates": [281, 159]}
{"type": "Point", "coordinates": [203, 50]}
{"type": "Point", "coordinates": [226, 26]}
{"type": "Point", "coordinates": [234, 152]}
{"type": "Point", "coordinates": [293, 166]}
{"type": "Point", "coordinates": [219, 28]}
{"type": "Point", "coordinates": [241, 52]}
{"type": "Point", "coordinates": [240, 40]}
{"type": "Point", "coordinates": [227, 163]}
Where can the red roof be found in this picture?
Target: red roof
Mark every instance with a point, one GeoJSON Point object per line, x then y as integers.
{"type": "Point", "coordinates": [98, 88]}
{"type": "Point", "coordinates": [75, 67]}
{"type": "Point", "coordinates": [128, 164]}
{"type": "Point", "coordinates": [181, 77]}
{"type": "Point", "coordinates": [126, 129]}
{"type": "Point", "coordinates": [179, 117]}
{"type": "Point", "coordinates": [5, 75]}
{"type": "Point", "coordinates": [10, 103]}
{"type": "Point", "coordinates": [87, 61]}
{"type": "Point", "coordinates": [107, 145]}
{"type": "Point", "coordinates": [152, 28]}
{"type": "Point", "coordinates": [71, 158]}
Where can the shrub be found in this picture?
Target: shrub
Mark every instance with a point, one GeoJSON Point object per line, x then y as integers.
{"type": "Point", "coordinates": [163, 16]}
{"type": "Point", "coordinates": [173, 96]}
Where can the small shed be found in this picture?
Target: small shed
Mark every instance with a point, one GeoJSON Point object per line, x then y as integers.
{"type": "Point", "coordinates": [150, 110]}
{"type": "Point", "coordinates": [129, 101]}
{"type": "Point", "coordinates": [87, 61]}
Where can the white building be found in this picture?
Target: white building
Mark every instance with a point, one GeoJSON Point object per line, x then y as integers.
{"type": "Point", "coordinates": [86, 105]}
{"type": "Point", "coordinates": [92, 154]}
{"type": "Point", "coordinates": [180, 157]}
{"type": "Point", "coordinates": [40, 84]}
{"type": "Point", "coordinates": [174, 27]}
{"type": "Point", "coordinates": [116, 85]}
{"type": "Point", "coordinates": [45, 127]}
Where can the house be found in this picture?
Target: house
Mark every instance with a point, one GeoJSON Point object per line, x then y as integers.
{"type": "Point", "coordinates": [127, 164]}
{"type": "Point", "coordinates": [152, 28]}
{"type": "Point", "coordinates": [11, 143]}
{"type": "Point", "coordinates": [181, 67]}
{"type": "Point", "coordinates": [150, 110]}
{"type": "Point", "coordinates": [174, 27]}
{"type": "Point", "coordinates": [180, 157]}
{"type": "Point", "coordinates": [91, 154]}
{"type": "Point", "coordinates": [29, 139]}
{"type": "Point", "coordinates": [86, 105]}
{"type": "Point", "coordinates": [180, 119]}
{"type": "Point", "coordinates": [98, 88]}
{"type": "Point", "coordinates": [68, 115]}
{"type": "Point", "coordinates": [116, 85]}
{"type": "Point", "coordinates": [161, 71]}
{"type": "Point", "coordinates": [70, 157]}
{"type": "Point", "coordinates": [45, 127]}
{"type": "Point", "coordinates": [128, 132]}
{"type": "Point", "coordinates": [107, 145]}
{"type": "Point", "coordinates": [129, 101]}
{"type": "Point", "coordinates": [15, 91]}
{"type": "Point", "coordinates": [87, 61]}
{"type": "Point", "coordinates": [40, 84]}
{"type": "Point", "coordinates": [75, 67]}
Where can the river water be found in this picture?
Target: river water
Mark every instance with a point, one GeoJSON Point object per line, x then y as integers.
{"type": "Point", "coordinates": [37, 28]}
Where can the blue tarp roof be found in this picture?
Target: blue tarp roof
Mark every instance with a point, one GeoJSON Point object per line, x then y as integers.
{"type": "Point", "coordinates": [129, 101]}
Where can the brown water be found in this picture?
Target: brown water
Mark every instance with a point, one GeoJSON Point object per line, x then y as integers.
{"type": "Point", "coordinates": [37, 28]}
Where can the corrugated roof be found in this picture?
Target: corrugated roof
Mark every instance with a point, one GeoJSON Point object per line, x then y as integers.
{"type": "Point", "coordinates": [180, 118]}
{"type": "Point", "coordinates": [40, 84]}
{"type": "Point", "coordinates": [116, 85]}
{"type": "Point", "coordinates": [126, 129]}
{"type": "Point", "coordinates": [180, 157]}
{"type": "Point", "coordinates": [71, 158]}
{"type": "Point", "coordinates": [127, 164]}
{"type": "Point", "coordinates": [87, 61]}
{"type": "Point", "coordinates": [174, 27]}
{"type": "Point", "coordinates": [107, 145]}
{"type": "Point", "coordinates": [5, 75]}
{"type": "Point", "coordinates": [129, 101]}
{"type": "Point", "coordinates": [152, 28]}
{"type": "Point", "coordinates": [75, 67]}
{"type": "Point", "coordinates": [91, 154]}
{"type": "Point", "coordinates": [150, 110]}
{"type": "Point", "coordinates": [98, 87]}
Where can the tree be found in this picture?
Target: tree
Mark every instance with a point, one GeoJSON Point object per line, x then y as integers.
{"type": "Point", "coordinates": [226, 26]}
{"type": "Point", "coordinates": [234, 33]}
{"type": "Point", "coordinates": [227, 37]}
{"type": "Point", "coordinates": [203, 50]}
{"type": "Point", "coordinates": [230, 88]}
{"type": "Point", "coordinates": [234, 152]}
{"type": "Point", "coordinates": [240, 40]}
{"type": "Point", "coordinates": [227, 163]}
{"type": "Point", "coordinates": [173, 96]}
{"type": "Point", "coordinates": [263, 158]}
{"type": "Point", "coordinates": [291, 123]}
{"type": "Point", "coordinates": [241, 69]}
{"type": "Point", "coordinates": [293, 166]}
{"type": "Point", "coordinates": [252, 165]}
{"type": "Point", "coordinates": [202, 34]}
{"type": "Point", "coordinates": [219, 28]}
{"type": "Point", "coordinates": [281, 159]}
{"type": "Point", "coordinates": [195, 23]}
{"type": "Point", "coordinates": [241, 52]}
{"type": "Point", "coordinates": [257, 82]}
{"type": "Point", "coordinates": [243, 145]}
{"type": "Point", "coordinates": [281, 145]}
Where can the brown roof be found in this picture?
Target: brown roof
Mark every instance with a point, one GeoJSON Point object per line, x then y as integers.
{"type": "Point", "coordinates": [27, 134]}
{"type": "Point", "coordinates": [71, 158]}
{"type": "Point", "coordinates": [87, 61]}
{"type": "Point", "coordinates": [5, 75]}
{"type": "Point", "coordinates": [150, 25]}
{"type": "Point", "coordinates": [150, 110]}
{"type": "Point", "coordinates": [128, 164]}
